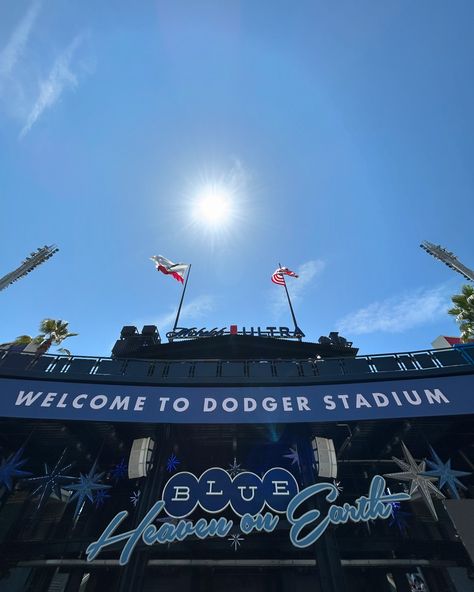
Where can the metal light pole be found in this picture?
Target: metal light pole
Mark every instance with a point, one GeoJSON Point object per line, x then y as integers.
{"type": "Point", "coordinates": [34, 260]}
{"type": "Point", "coordinates": [448, 259]}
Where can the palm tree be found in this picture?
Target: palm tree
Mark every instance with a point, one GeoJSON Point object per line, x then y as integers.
{"type": "Point", "coordinates": [463, 311]}
{"type": "Point", "coordinates": [52, 332]}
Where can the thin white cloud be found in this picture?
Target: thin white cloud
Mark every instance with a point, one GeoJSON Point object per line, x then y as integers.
{"type": "Point", "coordinates": [307, 272]}
{"type": "Point", "coordinates": [13, 50]}
{"type": "Point", "coordinates": [193, 312]}
{"type": "Point", "coordinates": [60, 78]}
{"type": "Point", "coordinates": [398, 313]}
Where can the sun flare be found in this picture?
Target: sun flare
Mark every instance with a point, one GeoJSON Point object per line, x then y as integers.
{"type": "Point", "coordinates": [213, 206]}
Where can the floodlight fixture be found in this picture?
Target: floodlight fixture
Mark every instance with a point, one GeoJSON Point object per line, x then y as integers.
{"type": "Point", "coordinates": [31, 262]}
{"type": "Point", "coordinates": [448, 258]}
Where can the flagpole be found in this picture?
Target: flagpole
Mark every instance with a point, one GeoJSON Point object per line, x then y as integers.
{"type": "Point", "coordinates": [182, 298]}
{"type": "Point", "coordinates": [297, 329]}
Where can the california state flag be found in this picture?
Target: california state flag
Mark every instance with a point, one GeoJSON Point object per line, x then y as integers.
{"type": "Point", "coordinates": [177, 270]}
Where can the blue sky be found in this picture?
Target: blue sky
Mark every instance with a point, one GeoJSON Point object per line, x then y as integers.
{"type": "Point", "coordinates": [344, 131]}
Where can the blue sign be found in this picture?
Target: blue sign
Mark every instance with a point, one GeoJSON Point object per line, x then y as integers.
{"type": "Point", "coordinates": [247, 494]}
{"type": "Point", "coordinates": [417, 397]}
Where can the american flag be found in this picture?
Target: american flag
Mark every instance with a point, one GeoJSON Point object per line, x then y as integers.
{"type": "Point", "coordinates": [279, 276]}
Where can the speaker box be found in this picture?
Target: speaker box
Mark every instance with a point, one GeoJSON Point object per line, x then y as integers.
{"type": "Point", "coordinates": [139, 462]}
{"type": "Point", "coordinates": [325, 457]}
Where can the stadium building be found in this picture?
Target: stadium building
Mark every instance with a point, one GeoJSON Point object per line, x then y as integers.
{"type": "Point", "coordinates": [237, 459]}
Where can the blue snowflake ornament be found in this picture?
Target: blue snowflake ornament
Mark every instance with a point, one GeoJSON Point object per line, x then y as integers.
{"type": "Point", "coordinates": [172, 463]}
{"type": "Point", "coordinates": [85, 488]}
{"type": "Point", "coordinates": [119, 471]}
{"type": "Point", "coordinates": [100, 497]}
{"type": "Point", "coordinates": [51, 482]}
{"type": "Point", "coordinates": [447, 476]}
{"type": "Point", "coordinates": [11, 469]}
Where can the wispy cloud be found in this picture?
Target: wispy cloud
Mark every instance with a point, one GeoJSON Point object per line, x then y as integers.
{"type": "Point", "coordinates": [60, 78]}
{"type": "Point", "coordinates": [398, 313]}
{"type": "Point", "coordinates": [307, 272]}
{"type": "Point", "coordinates": [193, 311]}
{"type": "Point", "coordinates": [13, 50]}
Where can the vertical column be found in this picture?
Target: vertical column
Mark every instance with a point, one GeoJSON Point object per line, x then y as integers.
{"type": "Point", "coordinates": [329, 568]}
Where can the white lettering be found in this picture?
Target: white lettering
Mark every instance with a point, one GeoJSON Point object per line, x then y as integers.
{"type": "Point", "coordinates": [344, 400]}
{"type": "Point", "coordinates": [61, 400]}
{"type": "Point", "coordinates": [435, 396]}
{"type": "Point", "coordinates": [98, 402]}
{"type": "Point", "coordinates": [181, 493]}
{"type": "Point", "coordinates": [329, 402]}
{"type": "Point", "coordinates": [120, 403]}
{"type": "Point", "coordinates": [75, 403]}
{"type": "Point", "coordinates": [280, 488]}
{"type": "Point", "coordinates": [27, 399]}
{"type": "Point", "coordinates": [252, 492]}
{"type": "Point", "coordinates": [415, 401]}
{"type": "Point", "coordinates": [48, 399]}
{"type": "Point", "coordinates": [139, 404]}
{"type": "Point", "coordinates": [229, 404]}
{"type": "Point", "coordinates": [209, 404]}
{"type": "Point", "coordinates": [163, 401]}
{"type": "Point", "coordinates": [180, 404]}
{"type": "Point", "coordinates": [397, 399]}
{"type": "Point", "coordinates": [287, 404]}
{"type": "Point", "coordinates": [361, 401]}
{"type": "Point", "coordinates": [381, 400]}
{"type": "Point", "coordinates": [269, 404]}
{"type": "Point", "coordinates": [210, 490]}
{"type": "Point", "coordinates": [249, 404]}
{"type": "Point", "coordinates": [302, 404]}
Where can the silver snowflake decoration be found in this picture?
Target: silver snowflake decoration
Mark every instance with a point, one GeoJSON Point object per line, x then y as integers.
{"type": "Point", "coordinates": [86, 487]}
{"type": "Point", "coordinates": [135, 497]}
{"type": "Point", "coordinates": [51, 482]}
{"type": "Point", "coordinates": [293, 456]}
{"type": "Point", "coordinates": [420, 484]}
{"type": "Point", "coordinates": [235, 540]}
{"type": "Point", "coordinates": [234, 468]}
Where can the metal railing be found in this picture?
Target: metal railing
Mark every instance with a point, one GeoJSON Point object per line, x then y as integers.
{"type": "Point", "coordinates": [100, 369]}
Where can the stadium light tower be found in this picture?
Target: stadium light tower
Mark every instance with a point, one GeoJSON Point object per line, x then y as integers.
{"type": "Point", "coordinates": [34, 260]}
{"type": "Point", "coordinates": [448, 259]}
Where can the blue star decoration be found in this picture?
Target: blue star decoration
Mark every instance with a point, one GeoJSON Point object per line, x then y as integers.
{"type": "Point", "coordinates": [235, 540]}
{"type": "Point", "coordinates": [85, 488]}
{"type": "Point", "coordinates": [172, 463]}
{"type": "Point", "coordinates": [234, 468]}
{"type": "Point", "coordinates": [293, 456]}
{"type": "Point", "coordinates": [398, 518]}
{"type": "Point", "coordinates": [51, 482]}
{"type": "Point", "coordinates": [135, 497]}
{"type": "Point", "coordinates": [119, 471]}
{"type": "Point", "coordinates": [447, 476]}
{"type": "Point", "coordinates": [100, 497]}
{"type": "Point", "coordinates": [11, 469]}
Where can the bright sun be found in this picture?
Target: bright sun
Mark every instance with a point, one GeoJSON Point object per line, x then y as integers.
{"type": "Point", "coordinates": [213, 206]}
